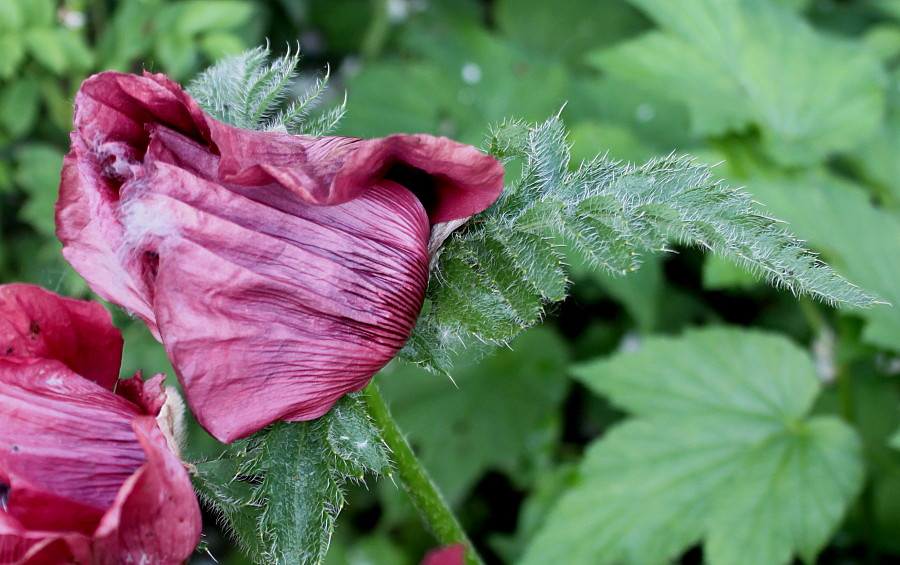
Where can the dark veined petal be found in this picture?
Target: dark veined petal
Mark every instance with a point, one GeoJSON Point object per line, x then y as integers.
{"type": "Point", "coordinates": [273, 314]}
{"type": "Point", "coordinates": [39, 324]}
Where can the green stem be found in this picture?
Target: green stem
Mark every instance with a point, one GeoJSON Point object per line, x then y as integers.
{"type": "Point", "coordinates": [377, 32]}
{"type": "Point", "coordinates": [423, 493]}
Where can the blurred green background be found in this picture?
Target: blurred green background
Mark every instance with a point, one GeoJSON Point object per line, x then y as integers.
{"type": "Point", "coordinates": [798, 100]}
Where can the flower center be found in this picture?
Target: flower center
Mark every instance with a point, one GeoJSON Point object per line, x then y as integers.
{"type": "Point", "coordinates": [417, 181]}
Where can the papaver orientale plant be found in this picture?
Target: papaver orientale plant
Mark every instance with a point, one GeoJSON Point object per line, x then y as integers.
{"type": "Point", "coordinates": [88, 471]}
{"type": "Point", "coordinates": [280, 272]}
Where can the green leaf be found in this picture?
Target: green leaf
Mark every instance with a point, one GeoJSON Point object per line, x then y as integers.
{"type": "Point", "coordinates": [200, 16]}
{"type": "Point", "coordinates": [37, 172]}
{"type": "Point", "coordinates": [795, 487]}
{"type": "Point", "coordinates": [78, 52]}
{"type": "Point", "coordinates": [742, 63]}
{"type": "Point", "coordinates": [302, 493]}
{"type": "Point", "coordinates": [877, 156]}
{"type": "Point", "coordinates": [503, 414]}
{"type": "Point", "coordinates": [11, 16]}
{"type": "Point", "coordinates": [721, 449]}
{"type": "Point", "coordinates": [19, 103]}
{"type": "Point", "coordinates": [221, 488]}
{"type": "Point", "coordinates": [38, 12]}
{"type": "Point", "coordinates": [894, 440]}
{"type": "Point", "coordinates": [639, 292]}
{"type": "Point", "coordinates": [247, 91]}
{"type": "Point", "coordinates": [719, 273]}
{"type": "Point", "coordinates": [426, 102]}
{"type": "Point", "coordinates": [461, 78]}
{"type": "Point", "coordinates": [281, 495]}
{"type": "Point", "coordinates": [177, 53]}
{"type": "Point", "coordinates": [825, 210]}
{"type": "Point", "coordinates": [12, 52]}
{"type": "Point", "coordinates": [129, 34]}
{"type": "Point", "coordinates": [48, 47]}
{"type": "Point", "coordinates": [566, 29]}
{"type": "Point", "coordinates": [216, 45]}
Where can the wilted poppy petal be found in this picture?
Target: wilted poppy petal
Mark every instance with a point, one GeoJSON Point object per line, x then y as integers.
{"type": "Point", "coordinates": [37, 323]}
{"type": "Point", "coordinates": [23, 547]}
{"type": "Point", "coordinates": [155, 517]}
{"type": "Point", "coordinates": [94, 237]}
{"type": "Point", "coordinates": [280, 272]}
{"type": "Point", "coordinates": [298, 306]}
{"type": "Point", "coordinates": [54, 422]}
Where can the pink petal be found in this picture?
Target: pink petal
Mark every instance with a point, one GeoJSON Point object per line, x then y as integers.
{"type": "Point", "coordinates": [93, 237]}
{"type": "Point", "coordinates": [450, 555]}
{"type": "Point", "coordinates": [453, 180]}
{"type": "Point", "coordinates": [149, 395]}
{"type": "Point", "coordinates": [273, 314]}
{"type": "Point", "coordinates": [66, 445]}
{"type": "Point", "coordinates": [23, 547]}
{"type": "Point", "coordinates": [155, 517]}
{"type": "Point", "coordinates": [37, 323]}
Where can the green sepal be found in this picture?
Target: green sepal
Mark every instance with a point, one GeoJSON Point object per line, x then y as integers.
{"type": "Point", "coordinates": [280, 495]}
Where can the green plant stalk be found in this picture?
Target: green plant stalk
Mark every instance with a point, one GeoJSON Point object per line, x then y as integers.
{"type": "Point", "coordinates": [421, 490]}
{"type": "Point", "coordinates": [377, 31]}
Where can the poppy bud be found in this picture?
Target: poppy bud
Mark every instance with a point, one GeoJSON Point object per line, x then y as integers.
{"type": "Point", "coordinates": [280, 272]}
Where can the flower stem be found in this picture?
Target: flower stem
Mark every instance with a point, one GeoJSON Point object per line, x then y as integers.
{"type": "Point", "coordinates": [423, 493]}
{"type": "Point", "coordinates": [377, 31]}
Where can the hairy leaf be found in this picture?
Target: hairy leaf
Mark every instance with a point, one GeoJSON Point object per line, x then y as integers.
{"type": "Point", "coordinates": [280, 496]}
{"type": "Point", "coordinates": [249, 92]}
{"type": "Point", "coordinates": [493, 278]}
{"type": "Point", "coordinates": [826, 210]}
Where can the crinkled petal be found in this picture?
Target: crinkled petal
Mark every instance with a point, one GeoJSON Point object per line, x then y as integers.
{"type": "Point", "coordinates": [155, 518]}
{"type": "Point", "coordinates": [451, 179]}
{"type": "Point", "coordinates": [115, 114]}
{"type": "Point", "coordinates": [20, 546]}
{"type": "Point", "coordinates": [273, 314]}
{"type": "Point", "coordinates": [66, 445]}
{"type": "Point", "coordinates": [39, 324]}
{"type": "Point", "coordinates": [149, 395]}
{"type": "Point", "coordinates": [93, 237]}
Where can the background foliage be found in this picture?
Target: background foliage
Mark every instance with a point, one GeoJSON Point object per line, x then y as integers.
{"type": "Point", "coordinates": [661, 415]}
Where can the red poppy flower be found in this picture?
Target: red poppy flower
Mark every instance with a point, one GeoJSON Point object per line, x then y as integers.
{"type": "Point", "coordinates": [280, 272]}
{"type": "Point", "coordinates": [87, 476]}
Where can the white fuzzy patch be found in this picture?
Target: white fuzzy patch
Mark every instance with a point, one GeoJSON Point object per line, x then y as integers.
{"type": "Point", "coordinates": [55, 383]}
{"type": "Point", "coordinates": [146, 220]}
